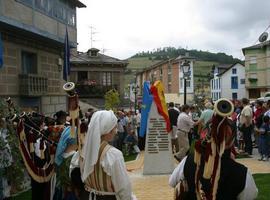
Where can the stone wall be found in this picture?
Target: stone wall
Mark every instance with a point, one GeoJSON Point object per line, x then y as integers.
{"type": "Point", "coordinates": [52, 104]}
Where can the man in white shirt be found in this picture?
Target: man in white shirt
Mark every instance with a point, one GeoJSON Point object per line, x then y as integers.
{"type": "Point", "coordinates": [184, 124]}
{"type": "Point", "coordinates": [246, 126]}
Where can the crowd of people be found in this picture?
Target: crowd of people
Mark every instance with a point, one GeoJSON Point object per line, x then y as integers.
{"type": "Point", "coordinates": [250, 122]}
{"type": "Point", "coordinates": [98, 172]}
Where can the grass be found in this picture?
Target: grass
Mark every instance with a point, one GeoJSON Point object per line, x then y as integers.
{"type": "Point", "coordinates": [239, 156]}
{"type": "Point", "coordinates": [130, 157]}
{"type": "Point", "coordinates": [23, 196]}
{"type": "Point", "coordinates": [263, 185]}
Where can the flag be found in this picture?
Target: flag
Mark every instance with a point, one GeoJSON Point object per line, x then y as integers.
{"type": "Point", "coordinates": [66, 69]}
{"type": "Point", "coordinates": [1, 52]}
{"type": "Point", "coordinates": [146, 105]}
{"type": "Point", "coordinates": [157, 91]}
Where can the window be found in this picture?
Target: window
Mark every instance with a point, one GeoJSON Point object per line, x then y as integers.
{"type": "Point", "coordinates": [234, 71]}
{"type": "Point", "coordinates": [212, 84]}
{"type": "Point", "coordinates": [242, 81]}
{"type": "Point", "coordinates": [169, 78]}
{"type": "Point", "coordinates": [29, 63]}
{"type": "Point", "coordinates": [234, 95]}
{"type": "Point", "coordinates": [252, 63]}
{"type": "Point", "coordinates": [234, 82]}
{"type": "Point", "coordinates": [82, 76]}
{"type": "Point", "coordinates": [169, 69]}
{"type": "Point", "coordinates": [106, 78]}
{"type": "Point", "coordinates": [188, 83]}
{"type": "Point", "coordinates": [254, 93]}
{"type": "Point", "coordinates": [253, 59]}
{"type": "Point", "coordinates": [169, 88]}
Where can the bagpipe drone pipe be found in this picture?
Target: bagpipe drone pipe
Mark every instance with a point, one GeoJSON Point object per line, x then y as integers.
{"type": "Point", "coordinates": [39, 136]}
{"type": "Point", "coordinates": [208, 152]}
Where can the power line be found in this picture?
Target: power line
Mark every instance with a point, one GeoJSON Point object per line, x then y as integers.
{"type": "Point", "coordinates": [263, 32]}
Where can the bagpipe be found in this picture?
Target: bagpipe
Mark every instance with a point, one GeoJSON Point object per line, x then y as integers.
{"type": "Point", "coordinates": [39, 135]}
{"type": "Point", "coordinates": [208, 152]}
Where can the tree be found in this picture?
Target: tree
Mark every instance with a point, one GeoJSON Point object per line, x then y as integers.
{"type": "Point", "coordinates": [15, 172]}
{"type": "Point", "coordinates": [112, 100]}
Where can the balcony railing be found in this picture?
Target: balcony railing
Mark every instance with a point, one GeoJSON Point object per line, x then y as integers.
{"type": "Point", "coordinates": [32, 85]}
{"type": "Point", "coordinates": [94, 91]}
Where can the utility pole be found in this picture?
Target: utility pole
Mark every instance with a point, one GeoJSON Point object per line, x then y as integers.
{"type": "Point", "coordinates": [91, 36]}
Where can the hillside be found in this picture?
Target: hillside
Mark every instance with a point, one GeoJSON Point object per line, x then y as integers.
{"type": "Point", "coordinates": [172, 52]}
{"type": "Point", "coordinates": [203, 64]}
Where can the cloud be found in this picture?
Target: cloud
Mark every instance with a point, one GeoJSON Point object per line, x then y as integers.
{"type": "Point", "coordinates": [126, 27]}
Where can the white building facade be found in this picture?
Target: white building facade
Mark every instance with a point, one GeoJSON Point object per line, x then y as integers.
{"type": "Point", "coordinates": [229, 83]}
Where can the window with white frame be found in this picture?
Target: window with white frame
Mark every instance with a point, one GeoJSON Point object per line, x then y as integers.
{"type": "Point", "coordinates": [106, 78]}
{"type": "Point", "coordinates": [253, 59]}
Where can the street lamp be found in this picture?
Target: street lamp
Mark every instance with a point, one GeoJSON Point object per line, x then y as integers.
{"type": "Point", "coordinates": [133, 89]}
{"type": "Point", "coordinates": [186, 74]}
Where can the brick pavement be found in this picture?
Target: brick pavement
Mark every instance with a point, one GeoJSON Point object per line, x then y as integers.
{"type": "Point", "coordinates": [157, 188]}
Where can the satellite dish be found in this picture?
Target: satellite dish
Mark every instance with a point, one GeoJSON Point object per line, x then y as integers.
{"type": "Point", "coordinates": [263, 37]}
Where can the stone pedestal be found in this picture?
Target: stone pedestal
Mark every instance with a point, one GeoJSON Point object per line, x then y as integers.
{"type": "Point", "coordinates": [158, 158]}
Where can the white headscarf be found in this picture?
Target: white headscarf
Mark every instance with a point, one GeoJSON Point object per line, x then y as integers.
{"type": "Point", "coordinates": [102, 122]}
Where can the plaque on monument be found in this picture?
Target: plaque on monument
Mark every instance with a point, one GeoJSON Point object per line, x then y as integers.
{"type": "Point", "coordinates": [158, 156]}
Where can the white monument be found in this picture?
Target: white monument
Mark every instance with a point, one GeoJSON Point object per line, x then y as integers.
{"type": "Point", "coordinates": [158, 158]}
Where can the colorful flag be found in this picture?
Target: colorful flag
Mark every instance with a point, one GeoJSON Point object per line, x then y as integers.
{"type": "Point", "coordinates": [157, 91]}
{"type": "Point", "coordinates": [146, 105]}
{"type": "Point", "coordinates": [66, 69]}
{"type": "Point", "coordinates": [1, 52]}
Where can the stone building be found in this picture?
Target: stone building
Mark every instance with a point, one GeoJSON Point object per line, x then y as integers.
{"type": "Point", "coordinates": [257, 68]}
{"type": "Point", "coordinates": [33, 33]}
{"type": "Point", "coordinates": [171, 75]}
{"type": "Point", "coordinates": [95, 74]}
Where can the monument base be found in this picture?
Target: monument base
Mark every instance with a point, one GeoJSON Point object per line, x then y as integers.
{"type": "Point", "coordinates": [158, 158]}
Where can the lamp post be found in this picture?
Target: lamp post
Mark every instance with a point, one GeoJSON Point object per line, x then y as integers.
{"type": "Point", "coordinates": [185, 66]}
{"type": "Point", "coordinates": [134, 89]}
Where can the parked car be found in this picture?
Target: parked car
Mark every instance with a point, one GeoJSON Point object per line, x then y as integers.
{"type": "Point", "coordinates": [265, 98]}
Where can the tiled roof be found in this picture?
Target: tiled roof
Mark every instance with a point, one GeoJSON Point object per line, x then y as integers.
{"type": "Point", "coordinates": [82, 58]}
{"type": "Point", "coordinates": [77, 3]}
{"type": "Point", "coordinates": [225, 67]}
{"type": "Point", "coordinates": [257, 46]}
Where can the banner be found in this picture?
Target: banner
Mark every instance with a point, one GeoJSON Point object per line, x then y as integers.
{"type": "Point", "coordinates": [66, 68]}
{"type": "Point", "coordinates": [1, 52]}
{"type": "Point", "coordinates": [146, 105]}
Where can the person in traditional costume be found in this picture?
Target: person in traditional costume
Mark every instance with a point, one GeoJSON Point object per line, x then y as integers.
{"type": "Point", "coordinates": [103, 170]}
{"type": "Point", "coordinates": [211, 173]}
{"type": "Point", "coordinates": [66, 148]}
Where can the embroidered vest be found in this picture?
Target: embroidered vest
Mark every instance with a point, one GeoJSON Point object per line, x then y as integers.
{"type": "Point", "coordinates": [98, 179]}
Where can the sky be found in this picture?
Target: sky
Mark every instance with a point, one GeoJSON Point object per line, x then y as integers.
{"type": "Point", "coordinates": [122, 28]}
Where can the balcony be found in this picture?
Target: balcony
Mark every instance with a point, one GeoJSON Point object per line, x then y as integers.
{"type": "Point", "coordinates": [93, 91]}
{"type": "Point", "coordinates": [32, 85]}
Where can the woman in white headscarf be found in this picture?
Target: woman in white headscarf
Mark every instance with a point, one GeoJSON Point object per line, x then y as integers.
{"type": "Point", "coordinates": [103, 168]}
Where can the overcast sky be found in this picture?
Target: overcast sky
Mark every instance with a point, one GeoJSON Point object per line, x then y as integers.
{"type": "Point", "coordinates": [125, 27]}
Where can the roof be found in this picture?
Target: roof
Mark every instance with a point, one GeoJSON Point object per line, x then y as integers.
{"type": "Point", "coordinates": [78, 4]}
{"type": "Point", "coordinates": [156, 65]}
{"type": "Point", "coordinates": [84, 58]}
{"type": "Point", "coordinates": [228, 67]}
{"type": "Point", "coordinates": [257, 46]}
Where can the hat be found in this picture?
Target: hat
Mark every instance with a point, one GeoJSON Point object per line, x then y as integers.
{"type": "Point", "coordinates": [61, 113]}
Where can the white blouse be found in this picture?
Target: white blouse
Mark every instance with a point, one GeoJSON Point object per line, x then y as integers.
{"type": "Point", "coordinates": [250, 191]}
{"type": "Point", "coordinates": [114, 165]}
